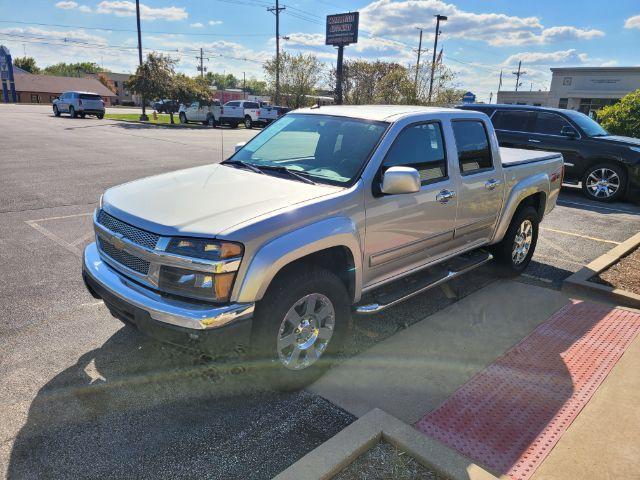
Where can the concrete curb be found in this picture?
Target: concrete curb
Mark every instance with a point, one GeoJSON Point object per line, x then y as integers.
{"type": "Point", "coordinates": [336, 453]}
{"type": "Point", "coordinates": [578, 284]}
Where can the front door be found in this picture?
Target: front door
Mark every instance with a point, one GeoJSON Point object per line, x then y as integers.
{"type": "Point", "coordinates": [407, 230]}
{"type": "Point", "coordinates": [481, 183]}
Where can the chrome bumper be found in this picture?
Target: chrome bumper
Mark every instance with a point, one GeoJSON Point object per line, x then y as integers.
{"type": "Point", "coordinates": [174, 312]}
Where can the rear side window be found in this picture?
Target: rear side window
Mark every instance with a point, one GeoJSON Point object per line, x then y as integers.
{"type": "Point", "coordinates": [472, 142]}
{"type": "Point", "coordinates": [421, 147]}
{"type": "Point", "coordinates": [250, 105]}
{"type": "Point", "coordinates": [549, 123]}
{"type": "Point", "coordinates": [89, 96]}
{"type": "Point", "coordinates": [514, 120]}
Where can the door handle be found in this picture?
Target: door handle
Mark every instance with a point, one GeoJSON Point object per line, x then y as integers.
{"type": "Point", "coordinates": [445, 195]}
{"type": "Point", "coordinates": [533, 140]}
{"type": "Point", "coordinates": [491, 184]}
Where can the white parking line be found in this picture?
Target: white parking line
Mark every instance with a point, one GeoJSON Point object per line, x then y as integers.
{"type": "Point", "coordinates": [76, 251]}
{"type": "Point", "coordinates": [610, 209]}
{"type": "Point", "coordinates": [61, 217]}
{"type": "Point", "coordinates": [595, 239]}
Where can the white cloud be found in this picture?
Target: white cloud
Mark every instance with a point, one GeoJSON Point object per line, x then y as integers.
{"type": "Point", "coordinates": [632, 22]}
{"type": "Point", "coordinates": [400, 18]}
{"type": "Point", "coordinates": [215, 22]}
{"type": "Point", "coordinates": [125, 8]}
{"type": "Point", "coordinates": [547, 58]}
{"type": "Point", "coordinates": [84, 8]}
{"type": "Point", "coordinates": [197, 25]}
{"type": "Point", "coordinates": [66, 5]}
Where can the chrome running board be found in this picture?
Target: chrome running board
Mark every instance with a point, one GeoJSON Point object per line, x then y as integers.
{"type": "Point", "coordinates": [450, 272]}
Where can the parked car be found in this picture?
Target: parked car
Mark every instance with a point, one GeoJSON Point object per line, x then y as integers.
{"type": "Point", "coordinates": [166, 106]}
{"type": "Point", "coordinates": [240, 111]}
{"type": "Point", "coordinates": [269, 113]}
{"type": "Point", "coordinates": [79, 104]}
{"type": "Point", "coordinates": [201, 113]}
{"type": "Point", "coordinates": [608, 166]}
{"type": "Point", "coordinates": [326, 211]}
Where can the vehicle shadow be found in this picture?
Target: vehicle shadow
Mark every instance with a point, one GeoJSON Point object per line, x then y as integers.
{"type": "Point", "coordinates": [135, 408]}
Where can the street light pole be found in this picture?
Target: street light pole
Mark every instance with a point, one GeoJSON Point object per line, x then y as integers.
{"type": "Point", "coordinates": [415, 83]}
{"type": "Point", "coordinates": [143, 117]}
{"type": "Point", "coordinates": [435, 48]}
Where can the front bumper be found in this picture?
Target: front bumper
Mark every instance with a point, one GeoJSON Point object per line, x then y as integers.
{"type": "Point", "coordinates": [167, 319]}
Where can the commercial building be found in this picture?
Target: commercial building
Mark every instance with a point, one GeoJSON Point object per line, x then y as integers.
{"type": "Point", "coordinates": [116, 82]}
{"type": "Point", "coordinates": [585, 89]}
{"type": "Point", "coordinates": [46, 88]}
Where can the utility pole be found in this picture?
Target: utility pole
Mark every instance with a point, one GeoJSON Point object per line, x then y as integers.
{"type": "Point", "coordinates": [415, 82]}
{"type": "Point", "coordinates": [500, 82]}
{"type": "Point", "coordinates": [276, 11]}
{"type": "Point", "coordinates": [244, 85]}
{"type": "Point", "coordinates": [143, 117]}
{"type": "Point", "coordinates": [518, 74]}
{"type": "Point", "coordinates": [435, 49]}
{"type": "Point", "coordinates": [202, 58]}
{"type": "Point", "coordinates": [490, 97]}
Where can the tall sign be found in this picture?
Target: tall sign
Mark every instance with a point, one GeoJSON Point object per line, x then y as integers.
{"type": "Point", "coordinates": [6, 76]}
{"type": "Point", "coordinates": [342, 29]}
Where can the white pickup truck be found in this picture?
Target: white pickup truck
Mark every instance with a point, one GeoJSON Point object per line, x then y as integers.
{"type": "Point", "coordinates": [207, 114]}
{"type": "Point", "coordinates": [326, 212]}
{"type": "Point", "coordinates": [240, 111]}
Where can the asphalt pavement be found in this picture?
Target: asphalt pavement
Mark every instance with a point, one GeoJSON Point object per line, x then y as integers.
{"type": "Point", "coordinates": [85, 396]}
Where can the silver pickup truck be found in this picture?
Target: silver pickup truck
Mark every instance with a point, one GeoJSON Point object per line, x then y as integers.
{"type": "Point", "coordinates": [326, 213]}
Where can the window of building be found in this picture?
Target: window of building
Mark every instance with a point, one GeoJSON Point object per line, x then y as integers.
{"type": "Point", "coordinates": [537, 104]}
{"type": "Point", "coordinates": [549, 123]}
{"type": "Point", "coordinates": [592, 105]}
{"type": "Point", "coordinates": [35, 98]}
{"type": "Point", "coordinates": [52, 98]}
{"type": "Point", "coordinates": [421, 147]}
{"type": "Point", "coordinates": [115, 83]}
{"type": "Point", "coordinates": [563, 103]}
{"type": "Point", "coordinates": [474, 149]}
{"type": "Point", "coordinates": [514, 120]}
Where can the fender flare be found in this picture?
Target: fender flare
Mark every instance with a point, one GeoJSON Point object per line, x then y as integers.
{"type": "Point", "coordinates": [273, 256]}
{"type": "Point", "coordinates": [521, 190]}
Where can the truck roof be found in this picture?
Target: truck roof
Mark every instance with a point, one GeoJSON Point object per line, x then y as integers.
{"type": "Point", "coordinates": [376, 112]}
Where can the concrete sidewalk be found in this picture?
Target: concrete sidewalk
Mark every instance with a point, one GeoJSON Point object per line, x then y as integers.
{"type": "Point", "coordinates": [417, 369]}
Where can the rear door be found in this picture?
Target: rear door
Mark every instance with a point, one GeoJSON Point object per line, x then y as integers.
{"type": "Point", "coordinates": [547, 135]}
{"type": "Point", "coordinates": [91, 101]}
{"type": "Point", "coordinates": [252, 109]}
{"type": "Point", "coordinates": [513, 127]}
{"type": "Point", "coordinates": [63, 103]}
{"type": "Point", "coordinates": [233, 110]}
{"type": "Point", "coordinates": [481, 185]}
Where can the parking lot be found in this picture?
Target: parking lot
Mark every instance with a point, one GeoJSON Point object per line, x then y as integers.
{"type": "Point", "coordinates": [84, 395]}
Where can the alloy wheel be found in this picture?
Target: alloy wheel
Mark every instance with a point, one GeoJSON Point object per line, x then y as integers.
{"type": "Point", "coordinates": [305, 331]}
{"type": "Point", "coordinates": [522, 242]}
{"type": "Point", "coordinates": [603, 183]}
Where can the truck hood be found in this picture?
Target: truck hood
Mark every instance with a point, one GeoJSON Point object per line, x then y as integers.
{"type": "Point", "coordinates": [619, 139]}
{"type": "Point", "coordinates": [205, 200]}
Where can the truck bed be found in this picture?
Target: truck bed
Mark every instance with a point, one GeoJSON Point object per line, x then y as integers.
{"type": "Point", "coordinates": [519, 156]}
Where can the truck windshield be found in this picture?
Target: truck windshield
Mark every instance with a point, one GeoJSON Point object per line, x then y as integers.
{"type": "Point", "coordinates": [590, 127]}
{"type": "Point", "coordinates": [327, 149]}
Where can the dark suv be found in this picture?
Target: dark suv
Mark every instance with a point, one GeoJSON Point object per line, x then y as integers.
{"type": "Point", "coordinates": [607, 165]}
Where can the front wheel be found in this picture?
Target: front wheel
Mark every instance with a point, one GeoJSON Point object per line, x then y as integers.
{"type": "Point", "coordinates": [100, 116]}
{"type": "Point", "coordinates": [56, 112]}
{"type": "Point", "coordinates": [604, 182]}
{"type": "Point", "coordinates": [183, 117]}
{"type": "Point", "coordinates": [514, 252]}
{"type": "Point", "coordinates": [299, 325]}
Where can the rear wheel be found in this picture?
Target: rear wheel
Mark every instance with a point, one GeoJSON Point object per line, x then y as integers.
{"type": "Point", "coordinates": [300, 324]}
{"type": "Point", "coordinates": [233, 124]}
{"type": "Point", "coordinates": [514, 252]}
{"type": "Point", "coordinates": [72, 112]}
{"type": "Point", "coordinates": [211, 121]}
{"type": "Point", "coordinates": [604, 182]}
{"type": "Point", "coordinates": [183, 117]}
{"type": "Point", "coordinates": [100, 116]}
{"type": "Point", "coordinates": [82, 115]}
{"type": "Point", "coordinates": [248, 123]}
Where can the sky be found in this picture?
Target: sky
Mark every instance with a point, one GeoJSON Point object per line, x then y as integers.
{"type": "Point", "coordinates": [480, 38]}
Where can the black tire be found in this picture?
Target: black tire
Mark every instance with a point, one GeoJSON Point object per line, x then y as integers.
{"type": "Point", "coordinates": [248, 123]}
{"type": "Point", "coordinates": [72, 112]}
{"type": "Point", "coordinates": [211, 121]}
{"type": "Point", "coordinates": [183, 117]}
{"type": "Point", "coordinates": [287, 289]}
{"type": "Point", "coordinates": [83, 115]}
{"type": "Point", "coordinates": [233, 124]}
{"type": "Point", "coordinates": [100, 116]}
{"type": "Point", "coordinates": [56, 112]}
{"type": "Point", "coordinates": [617, 177]}
{"type": "Point", "coordinates": [504, 252]}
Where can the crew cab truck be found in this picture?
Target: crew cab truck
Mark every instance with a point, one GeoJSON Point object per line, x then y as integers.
{"type": "Point", "coordinates": [207, 114]}
{"type": "Point", "coordinates": [324, 213]}
{"type": "Point", "coordinates": [241, 111]}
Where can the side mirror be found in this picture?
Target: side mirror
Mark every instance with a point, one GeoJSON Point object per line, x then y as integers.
{"type": "Point", "coordinates": [567, 131]}
{"type": "Point", "coordinates": [239, 146]}
{"type": "Point", "coordinates": [397, 180]}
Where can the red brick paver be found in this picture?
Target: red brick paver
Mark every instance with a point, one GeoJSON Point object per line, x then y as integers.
{"type": "Point", "coordinates": [509, 416]}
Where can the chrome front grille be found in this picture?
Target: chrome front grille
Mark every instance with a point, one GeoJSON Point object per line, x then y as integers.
{"type": "Point", "coordinates": [124, 258]}
{"type": "Point", "coordinates": [136, 235]}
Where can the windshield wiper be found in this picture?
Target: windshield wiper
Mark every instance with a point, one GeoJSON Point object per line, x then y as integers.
{"type": "Point", "coordinates": [240, 163]}
{"type": "Point", "coordinates": [285, 170]}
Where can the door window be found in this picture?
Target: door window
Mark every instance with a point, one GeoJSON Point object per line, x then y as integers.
{"type": "Point", "coordinates": [233, 104]}
{"type": "Point", "coordinates": [420, 147]}
{"type": "Point", "coordinates": [474, 149]}
{"type": "Point", "coordinates": [514, 120]}
{"type": "Point", "coordinates": [549, 124]}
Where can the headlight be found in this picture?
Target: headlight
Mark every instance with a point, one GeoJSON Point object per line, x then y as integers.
{"type": "Point", "coordinates": [214, 285]}
{"type": "Point", "coordinates": [635, 149]}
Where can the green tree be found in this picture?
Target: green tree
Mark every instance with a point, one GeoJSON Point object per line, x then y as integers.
{"type": "Point", "coordinates": [186, 90]}
{"type": "Point", "coordinates": [256, 87]}
{"type": "Point", "coordinates": [79, 69]}
{"type": "Point", "coordinates": [622, 118]}
{"type": "Point", "coordinates": [223, 81]}
{"type": "Point", "coordinates": [27, 63]}
{"type": "Point", "coordinates": [154, 78]}
{"type": "Point", "coordinates": [299, 77]}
